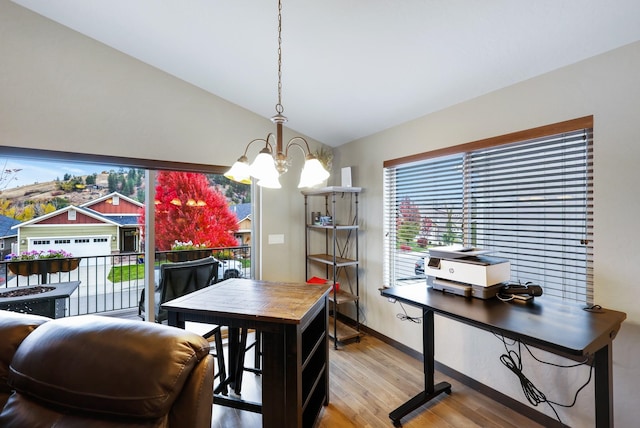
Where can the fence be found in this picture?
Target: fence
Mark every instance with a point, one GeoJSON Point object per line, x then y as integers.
{"type": "Point", "coordinates": [113, 282]}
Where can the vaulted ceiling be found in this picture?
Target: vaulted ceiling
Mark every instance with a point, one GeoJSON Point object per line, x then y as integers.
{"type": "Point", "coordinates": [352, 67]}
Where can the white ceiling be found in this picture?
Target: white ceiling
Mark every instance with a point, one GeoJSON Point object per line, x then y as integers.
{"type": "Point", "coordinates": [352, 67]}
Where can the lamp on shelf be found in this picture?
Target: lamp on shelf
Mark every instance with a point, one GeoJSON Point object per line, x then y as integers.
{"type": "Point", "coordinates": [268, 166]}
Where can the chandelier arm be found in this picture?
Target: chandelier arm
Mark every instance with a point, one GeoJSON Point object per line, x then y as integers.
{"type": "Point", "coordinates": [293, 142]}
{"type": "Point", "coordinates": [263, 140]}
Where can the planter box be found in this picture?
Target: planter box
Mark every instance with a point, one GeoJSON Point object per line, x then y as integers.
{"type": "Point", "coordinates": [51, 303]}
{"type": "Point", "coordinates": [43, 266]}
{"type": "Point", "coordinates": [187, 255]}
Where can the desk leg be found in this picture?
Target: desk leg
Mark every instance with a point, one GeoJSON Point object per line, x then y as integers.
{"type": "Point", "coordinates": [604, 387]}
{"type": "Point", "coordinates": [430, 389]}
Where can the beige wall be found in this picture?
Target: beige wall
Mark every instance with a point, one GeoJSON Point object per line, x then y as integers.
{"type": "Point", "coordinates": [608, 87]}
{"type": "Point", "coordinates": [62, 91]}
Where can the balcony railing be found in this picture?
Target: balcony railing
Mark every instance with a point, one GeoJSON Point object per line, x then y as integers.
{"type": "Point", "coordinates": [114, 282]}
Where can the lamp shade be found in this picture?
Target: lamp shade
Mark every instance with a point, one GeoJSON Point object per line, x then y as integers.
{"type": "Point", "coordinates": [313, 173]}
{"type": "Point", "coordinates": [263, 167]}
{"type": "Point", "coordinates": [270, 182]}
{"type": "Point", "coordinates": [240, 172]}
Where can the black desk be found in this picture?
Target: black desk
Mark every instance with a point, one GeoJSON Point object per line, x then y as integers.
{"type": "Point", "coordinates": [547, 323]}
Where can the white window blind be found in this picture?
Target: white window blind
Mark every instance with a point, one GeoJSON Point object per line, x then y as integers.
{"type": "Point", "coordinates": [529, 201]}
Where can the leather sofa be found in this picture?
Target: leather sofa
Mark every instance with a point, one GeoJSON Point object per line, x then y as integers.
{"type": "Point", "coordinates": [102, 372]}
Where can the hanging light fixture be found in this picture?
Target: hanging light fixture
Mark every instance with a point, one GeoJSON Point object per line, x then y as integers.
{"type": "Point", "coordinates": [267, 166]}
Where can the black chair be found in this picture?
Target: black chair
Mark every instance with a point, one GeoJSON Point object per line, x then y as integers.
{"type": "Point", "coordinates": [179, 279]}
{"type": "Point", "coordinates": [257, 362]}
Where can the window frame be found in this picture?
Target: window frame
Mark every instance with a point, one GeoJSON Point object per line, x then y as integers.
{"type": "Point", "coordinates": [392, 206]}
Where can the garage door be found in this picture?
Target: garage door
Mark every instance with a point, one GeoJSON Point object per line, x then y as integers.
{"type": "Point", "coordinates": [78, 247]}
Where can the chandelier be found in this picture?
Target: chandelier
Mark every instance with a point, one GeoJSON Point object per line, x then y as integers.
{"type": "Point", "coordinates": [267, 166]}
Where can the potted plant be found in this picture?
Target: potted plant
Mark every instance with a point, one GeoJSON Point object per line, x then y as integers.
{"type": "Point", "coordinates": [42, 262]}
{"type": "Point", "coordinates": [185, 251]}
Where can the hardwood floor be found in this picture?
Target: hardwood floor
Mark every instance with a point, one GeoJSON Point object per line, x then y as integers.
{"type": "Point", "coordinates": [368, 380]}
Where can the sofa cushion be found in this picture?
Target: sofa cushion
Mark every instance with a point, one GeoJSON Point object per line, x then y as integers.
{"type": "Point", "coordinates": [92, 363]}
{"type": "Point", "coordinates": [14, 327]}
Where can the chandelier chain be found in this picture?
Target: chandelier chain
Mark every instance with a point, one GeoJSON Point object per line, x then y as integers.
{"type": "Point", "coordinates": [279, 107]}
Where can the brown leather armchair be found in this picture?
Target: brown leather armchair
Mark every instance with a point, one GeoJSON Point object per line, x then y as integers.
{"type": "Point", "coordinates": [103, 372]}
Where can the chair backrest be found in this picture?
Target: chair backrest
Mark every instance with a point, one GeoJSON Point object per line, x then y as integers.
{"type": "Point", "coordinates": [178, 279]}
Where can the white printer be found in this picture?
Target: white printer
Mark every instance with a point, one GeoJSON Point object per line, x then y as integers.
{"type": "Point", "coordinates": [466, 271]}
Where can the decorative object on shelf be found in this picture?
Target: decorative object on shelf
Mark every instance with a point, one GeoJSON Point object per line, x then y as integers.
{"type": "Point", "coordinates": [41, 263]}
{"type": "Point", "coordinates": [267, 167]}
{"type": "Point", "coordinates": [325, 156]}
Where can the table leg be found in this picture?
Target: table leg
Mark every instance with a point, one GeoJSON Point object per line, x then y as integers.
{"type": "Point", "coordinates": [234, 349]}
{"type": "Point", "coordinates": [604, 387]}
{"type": "Point", "coordinates": [174, 320]}
{"type": "Point", "coordinates": [430, 389]}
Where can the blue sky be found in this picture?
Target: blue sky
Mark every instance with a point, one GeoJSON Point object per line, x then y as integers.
{"type": "Point", "coordinates": [33, 171]}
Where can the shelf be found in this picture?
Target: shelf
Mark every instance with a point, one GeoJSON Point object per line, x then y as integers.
{"type": "Point", "coordinates": [344, 332]}
{"type": "Point", "coordinates": [340, 259]}
{"type": "Point", "coordinates": [342, 297]}
{"type": "Point", "coordinates": [328, 260]}
{"type": "Point", "coordinates": [333, 226]}
{"type": "Point", "coordinates": [331, 189]}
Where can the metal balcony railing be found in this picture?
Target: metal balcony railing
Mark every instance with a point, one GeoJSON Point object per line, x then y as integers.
{"type": "Point", "coordinates": [115, 282]}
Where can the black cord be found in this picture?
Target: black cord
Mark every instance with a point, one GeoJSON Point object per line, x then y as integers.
{"type": "Point", "coordinates": [406, 317]}
{"type": "Point", "coordinates": [513, 361]}
{"type": "Point", "coordinates": [594, 308]}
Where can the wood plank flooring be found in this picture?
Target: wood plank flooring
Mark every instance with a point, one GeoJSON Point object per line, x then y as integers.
{"type": "Point", "coordinates": [368, 380]}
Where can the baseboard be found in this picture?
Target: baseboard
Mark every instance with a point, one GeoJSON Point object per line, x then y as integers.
{"type": "Point", "coordinates": [489, 392]}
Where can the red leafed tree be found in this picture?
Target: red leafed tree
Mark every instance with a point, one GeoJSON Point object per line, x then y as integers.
{"type": "Point", "coordinates": [188, 209]}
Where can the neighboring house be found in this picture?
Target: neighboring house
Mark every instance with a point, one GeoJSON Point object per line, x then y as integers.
{"type": "Point", "coordinates": [104, 226]}
{"type": "Point", "coordinates": [8, 236]}
{"type": "Point", "coordinates": [124, 211]}
{"type": "Point", "coordinates": [243, 214]}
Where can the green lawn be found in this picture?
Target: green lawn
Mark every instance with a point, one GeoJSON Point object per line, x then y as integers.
{"type": "Point", "coordinates": [126, 273]}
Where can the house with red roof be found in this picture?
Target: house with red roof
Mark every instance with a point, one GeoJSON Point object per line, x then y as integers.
{"type": "Point", "coordinates": [104, 226]}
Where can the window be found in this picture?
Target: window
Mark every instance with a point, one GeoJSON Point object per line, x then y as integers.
{"type": "Point", "coordinates": [526, 196]}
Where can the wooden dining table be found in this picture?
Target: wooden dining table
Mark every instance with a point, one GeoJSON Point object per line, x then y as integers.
{"type": "Point", "coordinates": [293, 320]}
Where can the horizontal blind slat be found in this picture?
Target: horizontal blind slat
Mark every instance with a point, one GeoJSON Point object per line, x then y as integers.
{"type": "Point", "coordinates": [531, 201]}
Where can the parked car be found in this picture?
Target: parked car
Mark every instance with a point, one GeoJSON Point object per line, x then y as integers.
{"type": "Point", "coordinates": [419, 267]}
{"type": "Point", "coordinates": [230, 269]}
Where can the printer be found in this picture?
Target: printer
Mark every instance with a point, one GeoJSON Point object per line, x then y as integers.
{"type": "Point", "coordinates": [466, 271]}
